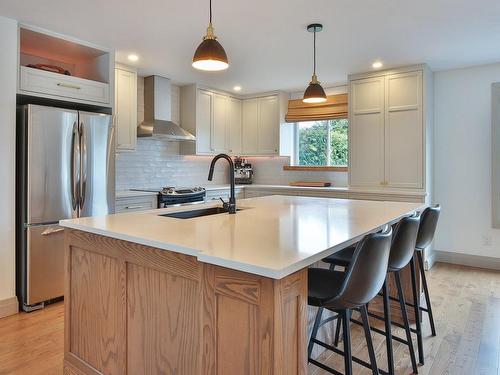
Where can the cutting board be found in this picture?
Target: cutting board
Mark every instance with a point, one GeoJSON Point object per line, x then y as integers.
{"type": "Point", "coordinates": [311, 183]}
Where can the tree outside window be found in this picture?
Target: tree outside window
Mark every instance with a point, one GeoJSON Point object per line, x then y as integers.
{"type": "Point", "coordinates": [322, 143]}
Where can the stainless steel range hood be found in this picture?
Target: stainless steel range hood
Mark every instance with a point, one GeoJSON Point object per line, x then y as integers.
{"type": "Point", "coordinates": [158, 112]}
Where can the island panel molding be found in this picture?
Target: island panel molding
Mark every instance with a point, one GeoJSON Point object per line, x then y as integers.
{"type": "Point", "coordinates": [132, 309]}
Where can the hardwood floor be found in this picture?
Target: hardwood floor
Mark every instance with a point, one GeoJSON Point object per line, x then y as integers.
{"type": "Point", "coordinates": [32, 344]}
{"type": "Point", "coordinates": [466, 304]}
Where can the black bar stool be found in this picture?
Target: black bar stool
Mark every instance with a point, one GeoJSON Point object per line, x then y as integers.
{"type": "Point", "coordinates": [401, 254]}
{"type": "Point", "coordinates": [341, 292]}
{"type": "Point", "coordinates": [428, 223]}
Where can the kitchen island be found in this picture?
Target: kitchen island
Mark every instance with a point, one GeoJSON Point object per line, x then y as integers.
{"type": "Point", "coordinates": [217, 294]}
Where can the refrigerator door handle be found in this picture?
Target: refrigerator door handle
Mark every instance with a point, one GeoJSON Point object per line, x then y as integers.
{"type": "Point", "coordinates": [83, 167]}
{"type": "Point", "coordinates": [75, 167]}
{"type": "Point", "coordinates": [52, 230]}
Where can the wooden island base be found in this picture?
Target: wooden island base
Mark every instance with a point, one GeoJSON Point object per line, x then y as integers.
{"type": "Point", "coordinates": [132, 309]}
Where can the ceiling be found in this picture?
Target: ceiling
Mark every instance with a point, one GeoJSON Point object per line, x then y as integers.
{"type": "Point", "coordinates": [266, 41]}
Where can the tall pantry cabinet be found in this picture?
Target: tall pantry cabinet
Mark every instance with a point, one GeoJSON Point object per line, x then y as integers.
{"type": "Point", "coordinates": [390, 124]}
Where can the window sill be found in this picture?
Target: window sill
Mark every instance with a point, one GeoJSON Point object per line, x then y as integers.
{"type": "Point", "coordinates": [306, 168]}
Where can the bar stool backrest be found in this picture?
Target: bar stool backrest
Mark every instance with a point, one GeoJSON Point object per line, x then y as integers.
{"type": "Point", "coordinates": [367, 271]}
{"type": "Point", "coordinates": [404, 238]}
{"type": "Point", "coordinates": [428, 223]}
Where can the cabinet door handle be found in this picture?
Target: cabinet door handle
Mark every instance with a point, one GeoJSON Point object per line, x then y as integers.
{"type": "Point", "coordinates": [132, 207]}
{"type": "Point", "coordinates": [67, 85]}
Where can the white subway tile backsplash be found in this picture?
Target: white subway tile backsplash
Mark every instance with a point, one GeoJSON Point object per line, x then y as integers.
{"type": "Point", "coordinates": [157, 163]}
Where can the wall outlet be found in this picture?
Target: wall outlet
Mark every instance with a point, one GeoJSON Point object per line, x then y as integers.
{"type": "Point", "coordinates": [487, 240]}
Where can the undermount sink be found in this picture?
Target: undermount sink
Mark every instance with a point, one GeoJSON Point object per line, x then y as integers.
{"type": "Point", "coordinates": [197, 213]}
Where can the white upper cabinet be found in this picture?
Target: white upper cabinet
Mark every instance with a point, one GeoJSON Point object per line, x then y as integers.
{"type": "Point", "coordinates": [125, 109]}
{"type": "Point", "coordinates": [211, 117]}
{"type": "Point", "coordinates": [261, 121]}
{"type": "Point", "coordinates": [404, 131]}
{"type": "Point", "coordinates": [235, 117]}
{"type": "Point", "coordinates": [366, 132]}
{"type": "Point", "coordinates": [225, 124]}
{"type": "Point", "coordinates": [59, 67]}
{"type": "Point", "coordinates": [269, 125]}
{"type": "Point", "coordinates": [387, 137]}
{"type": "Point", "coordinates": [219, 137]}
{"type": "Point", "coordinates": [203, 129]}
{"type": "Point", "coordinates": [249, 131]}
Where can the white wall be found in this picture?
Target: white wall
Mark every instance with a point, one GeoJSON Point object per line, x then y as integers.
{"type": "Point", "coordinates": [8, 73]}
{"type": "Point", "coordinates": [462, 160]}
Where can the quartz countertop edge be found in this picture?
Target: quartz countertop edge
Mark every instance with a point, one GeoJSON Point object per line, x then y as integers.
{"type": "Point", "coordinates": [210, 238]}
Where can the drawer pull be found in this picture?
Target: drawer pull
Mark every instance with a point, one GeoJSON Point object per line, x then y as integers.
{"type": "Point", "coordinates": [132, 207]}
{"type": "Point", "coordinates": [67, 85]}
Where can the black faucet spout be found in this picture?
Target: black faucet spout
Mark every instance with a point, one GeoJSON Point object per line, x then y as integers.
{"type": "Point", "coordinates": [231, 205]}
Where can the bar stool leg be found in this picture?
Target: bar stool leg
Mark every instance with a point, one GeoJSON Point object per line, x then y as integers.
{"type": "Point", "coordinates": [426, 291]}
{"type": "Point", "coordinates": [388, 328]}
{"type": "Point", "coordinates": [416, 308]}
{"type": "Point", "coordinates": [369, 343]}
{"type": "Point", "coordinates": [347, 342]}
{"type": "Point", "coordinates": [340, 321]}
{"type": "Point", "coordinates": [406, 322]}
{"type": "Point", "coordinates": [317, 322]}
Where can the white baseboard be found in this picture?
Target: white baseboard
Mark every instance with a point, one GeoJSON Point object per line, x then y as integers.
{"type": "Point", "coordinates": [466, 259]}
{"type": "Point", "coordinates": [431, 259]}
{"type": "Point", "coordinates": [9, 306]}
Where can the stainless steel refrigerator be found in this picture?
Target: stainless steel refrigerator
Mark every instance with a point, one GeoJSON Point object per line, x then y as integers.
{"type": "Point", "coordinates": [65, 170]}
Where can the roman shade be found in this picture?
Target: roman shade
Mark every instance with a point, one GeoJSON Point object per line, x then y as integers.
{"type": "Point", "coordinates": [335, 107]}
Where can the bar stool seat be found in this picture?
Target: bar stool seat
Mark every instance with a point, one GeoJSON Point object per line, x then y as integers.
{"type": "Point", "coordinates": [341, 258]}
{"type": "Point", "coordinates": [326, 284]}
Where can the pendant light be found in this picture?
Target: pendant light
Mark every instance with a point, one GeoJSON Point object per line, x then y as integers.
{"type": "Point", "coordinates": [210, 55]}
{"type": "Point", "coordinates": [314, 92]}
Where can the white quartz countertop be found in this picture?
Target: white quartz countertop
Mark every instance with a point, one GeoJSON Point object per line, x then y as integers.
{"type": "Point", "coordinates": [271, 236]}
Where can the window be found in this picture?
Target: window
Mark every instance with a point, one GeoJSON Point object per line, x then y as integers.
{"type": "Point", "coordinates": [321, 143]}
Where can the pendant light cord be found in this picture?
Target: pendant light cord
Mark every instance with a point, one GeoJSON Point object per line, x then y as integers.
{"type": "Point", "coordinates": [314, 51]}
{"type": "Point", "coordinates": [210, 11]}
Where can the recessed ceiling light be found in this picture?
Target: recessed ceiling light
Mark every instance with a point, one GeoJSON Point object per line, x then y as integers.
{"type": "Point", "coordinates": [377, 65]}
{"type": "Point", "coordinates": [133, 57]}
{"type": "Point", "coordinates": [237, 88]}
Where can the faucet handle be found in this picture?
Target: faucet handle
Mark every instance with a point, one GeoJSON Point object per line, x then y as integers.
{"type": "Point", "coordinates": [228, 206]}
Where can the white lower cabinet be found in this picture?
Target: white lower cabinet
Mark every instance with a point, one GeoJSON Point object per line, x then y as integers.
{"type": "Point", "coordinates": [139, 203]}
{"type": "Point", "coordinates": [388, 126]}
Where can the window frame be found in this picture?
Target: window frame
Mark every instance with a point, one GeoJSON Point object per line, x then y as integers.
{"type": "Point", "coordinates": [294, 160]}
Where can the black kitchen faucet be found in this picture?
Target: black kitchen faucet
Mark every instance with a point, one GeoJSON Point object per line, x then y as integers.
{"type": "Point", "coordinates": [231, 205]}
